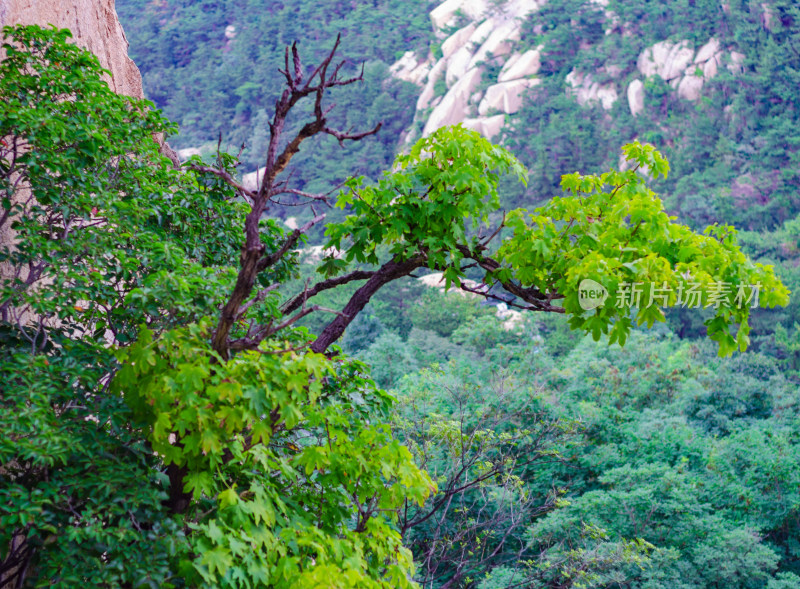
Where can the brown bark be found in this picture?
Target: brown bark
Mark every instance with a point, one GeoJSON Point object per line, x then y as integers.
{"type": "Point", "coordinates": [14, 567]}
{"type": "Point", "coordinates": [328, 284]}
{"type": "Point", "coordinates": [537, 300]}
{"type": "Point", "coordinates": [253, 259]}
{"type": "Point", "coordinates": [391, 270]}
{"type": "Point", "coordinates": [179, 500]}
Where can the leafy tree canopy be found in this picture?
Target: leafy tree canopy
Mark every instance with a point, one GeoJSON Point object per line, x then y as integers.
{"type": "Point", "coordinates": [150, 331]}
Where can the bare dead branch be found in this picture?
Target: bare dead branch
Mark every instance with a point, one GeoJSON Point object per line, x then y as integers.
{"type": "Point", "coordinates": [317, 197]}
{"type": "Point", "coordinates": [279, 155]}
{"type": "Point", "coordinates": [537, 300]}
{"type": "Point", "coordinates": [496, 232]}
{"type": "Point", "coordinates": [260, 296]}
{"type": "Point", "coordinates": [290, 242]}
{"type": "Point", "coordinates": [252, 342]}
{"type": "Point", "coordinates": [298, 70]}
{"type": "Point", "coordinates": [325, 62]}
{"type": "Point", "coordinates": [342, 137]}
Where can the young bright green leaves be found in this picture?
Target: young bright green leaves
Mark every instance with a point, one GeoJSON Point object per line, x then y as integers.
{"type": "Point", "coordinates": [445, 186]}
{"type": "Point", "coordinates": [293, 484]}
{"type": "Point", "coordinates": [612, 229]}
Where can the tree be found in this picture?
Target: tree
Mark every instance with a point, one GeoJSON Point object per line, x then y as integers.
{"type": "Point", "coordinates": [253, 451]}
{"type": "Point", "coordinates": [478, 441]}
{"type": "Point", "coordinates": [648, 469]}
{"type": "Point", "coordinates": [122, 477]}
{"type": "Point", "coordinates": [108, 237]}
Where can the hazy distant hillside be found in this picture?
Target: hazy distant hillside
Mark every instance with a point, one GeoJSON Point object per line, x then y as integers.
{"type": "Point", "coordinates": [212, 65]}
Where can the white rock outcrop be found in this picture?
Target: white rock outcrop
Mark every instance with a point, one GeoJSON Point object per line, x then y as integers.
{"type": "Point", "coordinates": [768, 19]}
{"type": "Point", "coordinates": [458, 65]}
{"type": "Point", "coordinates": [736, 64]}
{"type": "Point", "coordinates": [586, 90]}
{"type": "Point", "coordinates": [709, 58]}
{"type": "Point", "coordinates": [444, 15]}
{"type": "Point", "coordinates": [636, 97]}
{"type": "Point", "coordinates": [521, 65]}
{"type": "Point", "coordinates": [684, 70]}
{"type": "Point", "coordinates": [410, 69]}
{"type": "Point", "coordinates": [498, 43]}
{"type": "Point", "coordinates": [690, 87]}
{"type": "Point", "coordinates": [489, 127]}
{"type": "Point", "coordinates": [607, 95]}
{"type": "Point", "coordinates": [511, 318]}
{"type": "Point", "coordinates": [252, 180]}
{"type": "Point", "coordinates": [519, 9]}
{"type": "Point", "coordinates": [651, 61]}
{"type": "Point", "coordinates": [403, 66]}
{"type": "Point", "coordinates": [453, 108]}
{"type": "Point", "coordinates": [489, 36]}
{"type": "Point", "coordinates": [457, 40]}
{"type": "Point", "coordinates": [429, 90]}
{"type": "Point", "coordinates": [707, 51]}
{"type": "Point", "coordinates": [679, 59]}
{"type": "Point", "coordinates": [481, 33]}
{"type": "Point", "coordinates": [666, 60]}
{"type": "Point", "coordinates": [185, 154]}
{"type": "Point", "coordinates": [313, 254]}
{"type": "Point", "coordinates": [505, 96]}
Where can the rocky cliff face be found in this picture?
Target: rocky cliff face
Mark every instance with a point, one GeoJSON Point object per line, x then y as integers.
{"type": "Point", "coordinates": [94, 26]}
{"type": "Point", "coordinates": [455, 89]}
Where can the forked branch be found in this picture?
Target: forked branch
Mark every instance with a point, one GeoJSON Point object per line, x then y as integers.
{"type": "Point", "coordinates": [254, 258]}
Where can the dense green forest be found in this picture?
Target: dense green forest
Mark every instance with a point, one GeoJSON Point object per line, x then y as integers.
{"type": "Point", "coordinates": [210, 83]}
{"type": "Point", "coordinates": [431, 440]}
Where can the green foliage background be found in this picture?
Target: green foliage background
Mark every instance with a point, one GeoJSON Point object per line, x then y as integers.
{"type": "Point", "coordinates": [210, 84]}
{"type": "Point", "coordinates": [654, 466]}
{"type": "Point", "coordinates": [692, 454]}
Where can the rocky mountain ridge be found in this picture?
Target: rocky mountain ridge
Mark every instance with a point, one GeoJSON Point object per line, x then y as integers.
{"type": "Point", "coordinates": [452, 78]}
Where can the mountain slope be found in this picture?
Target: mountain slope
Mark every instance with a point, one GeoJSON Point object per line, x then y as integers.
{"type": "Point", "coordinates": [212, 66]}
{"type": "Point", "coordinates": [709, 83]}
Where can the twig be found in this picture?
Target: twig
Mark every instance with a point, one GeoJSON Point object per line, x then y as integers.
{"type": "Point", "coordinates": [224, 176]}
